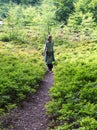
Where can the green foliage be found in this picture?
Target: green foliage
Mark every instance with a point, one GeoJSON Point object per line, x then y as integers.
{"type": "Point", "coordinates": [82, 5]}
{"type": "Point", "coordinates": [82, 25]}
{"type": "Point", "coordinates": [20, 74]}
{"type": "Point", "coordinates": [87, 6]}
{"type": "Point", "coordinates": [5, 37]}
{"type": "Point", "coordinates": [74, 95]}
{"type": "Point", "coordinates": [3, 10]}
{"type": "Point", "coordinates": [64, 9]}
{"type": "Point", "coordinates": [85, 124]}
{"type": "Point", "coordinates": [93, 9]}
{"type": "Point", "coordinates": [81, 21]}
{"type": "Point", "coordinates": [26, 2]}
{"type": "Point", "coordinates": [25, 24]}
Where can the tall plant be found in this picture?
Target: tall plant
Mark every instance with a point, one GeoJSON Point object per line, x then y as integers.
{"type": "Point", "coordinates": [64, 9]}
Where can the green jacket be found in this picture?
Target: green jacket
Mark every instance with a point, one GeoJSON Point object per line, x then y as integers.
{"type": "Point", "coordinates": [49, 52]}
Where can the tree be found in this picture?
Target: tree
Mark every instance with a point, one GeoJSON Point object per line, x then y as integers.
{"type": "Point", "coordinates": [64, 9]}
{"type": "Point", "coordinates": [32, 2]}
{"type": "Point", "coordinates": [87, 6]}
{"type": "Point", "coordinates": [93, 9]}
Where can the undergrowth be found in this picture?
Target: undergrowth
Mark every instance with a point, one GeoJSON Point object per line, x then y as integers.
{"type": "Point", "coordinates": [21, 70]}
{"type": "Point", "coordinates": [74, 95]}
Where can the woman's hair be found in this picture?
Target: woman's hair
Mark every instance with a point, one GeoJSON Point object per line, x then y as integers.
{"type": "Point", "coordinates": [49, 38]}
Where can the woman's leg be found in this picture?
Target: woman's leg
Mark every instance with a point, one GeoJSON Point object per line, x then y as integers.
{"type": "Point", "coordinates": [50, 66]}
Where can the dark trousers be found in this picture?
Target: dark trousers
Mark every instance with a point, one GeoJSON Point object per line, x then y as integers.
{"type": "Point", "coordinates": [50, 66]}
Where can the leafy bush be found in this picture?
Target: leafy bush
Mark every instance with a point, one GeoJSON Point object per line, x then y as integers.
{"type": "Point", "coordinates": [74, 95]}
{"type": "Point", "coordinates": [64, 9]}
{"type": "Point", "coordinates": [5, 37]}
{"type": "Point", "coordinates": [27, 2]}
{"type": "Point", "coordinates": [20, 74]}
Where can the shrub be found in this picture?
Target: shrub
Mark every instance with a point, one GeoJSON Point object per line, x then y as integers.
{"type": "Point", "coordinates": [20, 75]}
{"type": "Point", "coordinates": [74, 95]}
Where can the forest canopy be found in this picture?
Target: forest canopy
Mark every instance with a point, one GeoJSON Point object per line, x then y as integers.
{"type": "Point", "coordinates": [32, 2]}
{"type": "Point", "coordinates": [67, 7]}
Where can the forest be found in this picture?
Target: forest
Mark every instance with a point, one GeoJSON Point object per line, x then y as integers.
{"type": "Point", "coordinates": [24, 26]}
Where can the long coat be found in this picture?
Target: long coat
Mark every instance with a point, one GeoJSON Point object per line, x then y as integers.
{"type": "Point", "coordinates": [49, 52]}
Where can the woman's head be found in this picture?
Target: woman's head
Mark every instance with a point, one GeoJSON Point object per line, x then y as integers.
{"type": "Point", "coordinates": [49, 38]}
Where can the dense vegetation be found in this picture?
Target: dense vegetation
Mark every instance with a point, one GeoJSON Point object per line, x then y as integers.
{"type": "Point", "coordinates": [20, 74]}
{"type": "Point", "coordinates": [74, 95]}
{"type": "Point", "coordinates": [64, 9]}
{"type": "Point", "coordinates": [73, 24]}
{"type": "Point", "coordinates": [32, 2]}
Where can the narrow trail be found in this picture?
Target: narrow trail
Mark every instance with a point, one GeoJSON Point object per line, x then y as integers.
{"type": "Point", "coordinates": [33, 116]}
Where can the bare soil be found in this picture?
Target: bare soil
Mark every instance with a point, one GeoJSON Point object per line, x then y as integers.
{"type": "Point", "coordinates": [32, 114]}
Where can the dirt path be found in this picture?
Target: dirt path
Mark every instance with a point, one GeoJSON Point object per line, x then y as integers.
{"type": "Point", "coordinates": [32, 116]}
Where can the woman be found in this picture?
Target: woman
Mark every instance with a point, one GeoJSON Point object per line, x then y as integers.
{"type": "Point", "coordinates": [49, 52]}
